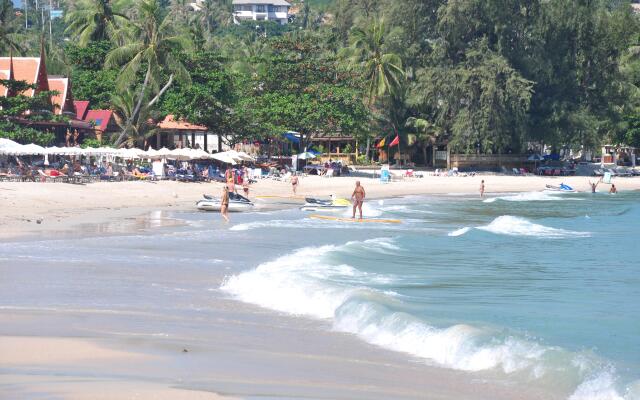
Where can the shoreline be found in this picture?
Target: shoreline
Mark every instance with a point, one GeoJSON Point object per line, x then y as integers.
{"type": "Point", "coordinates": [343, 366]}
{"type": "Point", "coordinates": [36, 209]}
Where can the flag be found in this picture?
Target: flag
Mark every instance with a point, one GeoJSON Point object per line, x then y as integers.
{"type": "Point", "coordinates": [381, 143]}
{"type": "Point", "coordinates": [395, 142]}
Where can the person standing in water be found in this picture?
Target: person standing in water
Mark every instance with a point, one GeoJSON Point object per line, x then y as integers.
{"type": "Point", "coordinates": [358, 199]}
{"type": "Point", "coordinates": [594, 185]}
{"type": "Point", "coordinates": [224, 203]}
{"type": "Point", "coordinates": [613, 189]}
{"type": "Point", "coordinates": [294, 184]}
{"type": "Point", "coordinates": [482, 188]}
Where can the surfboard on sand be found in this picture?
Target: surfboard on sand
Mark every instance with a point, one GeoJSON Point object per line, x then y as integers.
{"type": "Point", "coordinates": [342, 219]}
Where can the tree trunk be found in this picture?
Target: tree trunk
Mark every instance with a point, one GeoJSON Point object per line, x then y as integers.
{"type": "Point", "coordinates": [161, 92]}
{"type": "Point", "coordinates": [219, 142]}
{"type": "Point", "coordinates": [368, 148]}
{"type": "Point", "coordinates": [135, 110]}
{"type": "Point", "coordinates": [424, 154]}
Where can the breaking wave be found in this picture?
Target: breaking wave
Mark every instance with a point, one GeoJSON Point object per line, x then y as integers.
{"type": "Point", "coordinates": [517, 226]}
{"type": "Point", "coordinates": [309, 282]}
{"type": "Point", "coordinates": [531, 196]}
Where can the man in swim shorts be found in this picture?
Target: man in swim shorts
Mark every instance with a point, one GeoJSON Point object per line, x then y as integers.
{"type": "Point", "coordinates": [358, 198]}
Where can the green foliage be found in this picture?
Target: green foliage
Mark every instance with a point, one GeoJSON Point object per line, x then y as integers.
{"type": "Point", "coordinates": [488, 75]}
{"type": "Point", "coordinates": [14, 121]}
{"type": "Point", "coordinates": [94, 143]}
{"type": "Point", "coordinates": [301, 89]}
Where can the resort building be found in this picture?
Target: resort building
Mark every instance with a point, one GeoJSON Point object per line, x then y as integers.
{"type": "Point", "coordinates": [261, 10]}
{"type": "Point", "coordinates": [103, 121]}
{"type": "Point", "coordinates": [33, 70]}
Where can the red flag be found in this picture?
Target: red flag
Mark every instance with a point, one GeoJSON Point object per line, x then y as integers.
{"type": "Point", "coordinates": [395, 141]}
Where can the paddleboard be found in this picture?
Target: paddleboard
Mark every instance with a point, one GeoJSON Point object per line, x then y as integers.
{"type": "Point", "coordinates": [342, 219]}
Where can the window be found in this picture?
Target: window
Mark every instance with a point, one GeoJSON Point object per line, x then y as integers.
{"type": "Point", "coordinates": [260, 8]}
{"type": "Point", "coordinates": [274, 9]}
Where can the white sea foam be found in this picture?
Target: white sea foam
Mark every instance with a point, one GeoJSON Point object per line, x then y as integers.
{"type": "Point", "coordinates": [517, 226]}
{"type": "Point", "coordinates": [603, 386]}
{"type": "Point", "coordinates": [531, 196]}
{"type": "Point", "coordinates": [306, 282]}
{"type": "Point", "coordinates": [459, 232]}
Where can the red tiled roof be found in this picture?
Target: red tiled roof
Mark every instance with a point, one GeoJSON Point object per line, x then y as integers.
{"type": "Point", "coordinates": [4, 74]}
{"type": "Point", "coordinates": [100, 118]}
{"type": "Point", "coordinates": [82, 106]}
{"type": "Point", "coordinates": [24, 69]}
{"type": "Point", "coordinates": [60, 85]}
{"type": "Point", "coordinates": [181, 125]}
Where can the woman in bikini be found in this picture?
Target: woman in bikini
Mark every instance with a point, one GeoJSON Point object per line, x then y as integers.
{"type": "Point", "coordinates": [224, 203]}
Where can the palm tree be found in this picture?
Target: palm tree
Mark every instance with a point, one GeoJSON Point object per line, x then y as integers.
{"type": "Point", "coordinates": [9, 27]}
{"type": "Point", "coordinates": [425, 134]}
{"type": "Point", "coordinates": [93, 20]}
{"type": "Point", "coordinates": [138, 133]}
{"type": "Point", "coordinates": [154, 46]}
{"type": "Point", "coordinates": [382, 70]}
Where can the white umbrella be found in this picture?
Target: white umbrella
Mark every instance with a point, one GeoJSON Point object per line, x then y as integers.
{"type": "Point", "coordinates": [306, 156]}
{"type": "Point", "coordinates": [179, 154]}
{"type": "Point", "coordinates": [224, 157]}
{"type": "Point", "coordinates": [199, 154]}
{"type": "Point", "coordinates": [7, 143]}
{"type": "Point", "coordinates": [244, 156]}
{"type": "Point", "coordinates": [33, 149]}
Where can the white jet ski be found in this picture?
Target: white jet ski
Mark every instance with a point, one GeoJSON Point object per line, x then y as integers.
{"type": "Point", "coordinates": [562, 188]}
{"type": "Point", "coordinates": [318, 205]}
{"type": "Point", "coordinates": [237, 203]}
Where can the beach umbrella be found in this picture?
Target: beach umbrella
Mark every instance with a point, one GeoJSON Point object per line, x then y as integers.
{"type": "Point", "coordinates": [7, 144]}
{"type": "Point", "coordinates": [33, 149]}
{"type": "Point", "coordinates": [244, 156]}
{"type": "Point", "coordinates": [199, 154]}
{"type": "Point", "coordinates": [306, 156]}
{"type": "Point", "coordinates": [224, 157]}
{"type": "Point", "coordinates": [535, 158]}
{"type": "Point", "coordinates": [179, 154]}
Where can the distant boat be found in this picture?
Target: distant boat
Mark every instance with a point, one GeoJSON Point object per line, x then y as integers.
{"type": "Point", "coordinates": [237, 203]}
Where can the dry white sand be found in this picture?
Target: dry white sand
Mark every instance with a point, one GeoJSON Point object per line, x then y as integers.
{"type": "Point", "coordinates": [50, 207]}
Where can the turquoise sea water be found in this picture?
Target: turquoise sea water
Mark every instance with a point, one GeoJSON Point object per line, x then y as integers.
{"type": "Point", "coordinates": [535, 288]}
{"type": "Point", "coordinates": [541, 287]}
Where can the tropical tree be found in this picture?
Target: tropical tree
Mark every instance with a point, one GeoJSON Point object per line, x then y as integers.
{"type": "Point", "coordinates": [156, 47]}
{"type": "Point", "coordinates": [423, 133]}
{"type": "Point", "coordinates": [9, 27]}
{"type": "Point", "coordinates": [382, 70]}
{"type": "Point", "coordinates": [139, 132]}
{"type": "Point", "coordinates": [94, 20]}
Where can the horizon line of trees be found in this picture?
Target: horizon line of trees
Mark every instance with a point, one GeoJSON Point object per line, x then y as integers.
{"type": "Point", "coordinates": [486, 76]}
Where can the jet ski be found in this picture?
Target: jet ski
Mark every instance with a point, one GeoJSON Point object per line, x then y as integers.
{"type": "Point", "coordinates": [562, 188]}
{"type": "Point", "coordinates": [316, 205]}
{"type": "Point", "coordinates": [237, 203]}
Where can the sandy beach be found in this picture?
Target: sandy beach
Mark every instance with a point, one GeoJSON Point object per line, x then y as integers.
{"type": "Point", "coordinates": [248, 352]}
{"type": "Point", "coordinates": [36, 208]}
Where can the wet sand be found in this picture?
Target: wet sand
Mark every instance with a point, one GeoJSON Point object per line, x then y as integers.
{"type": "Point", "coordinates": [36, 208]}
